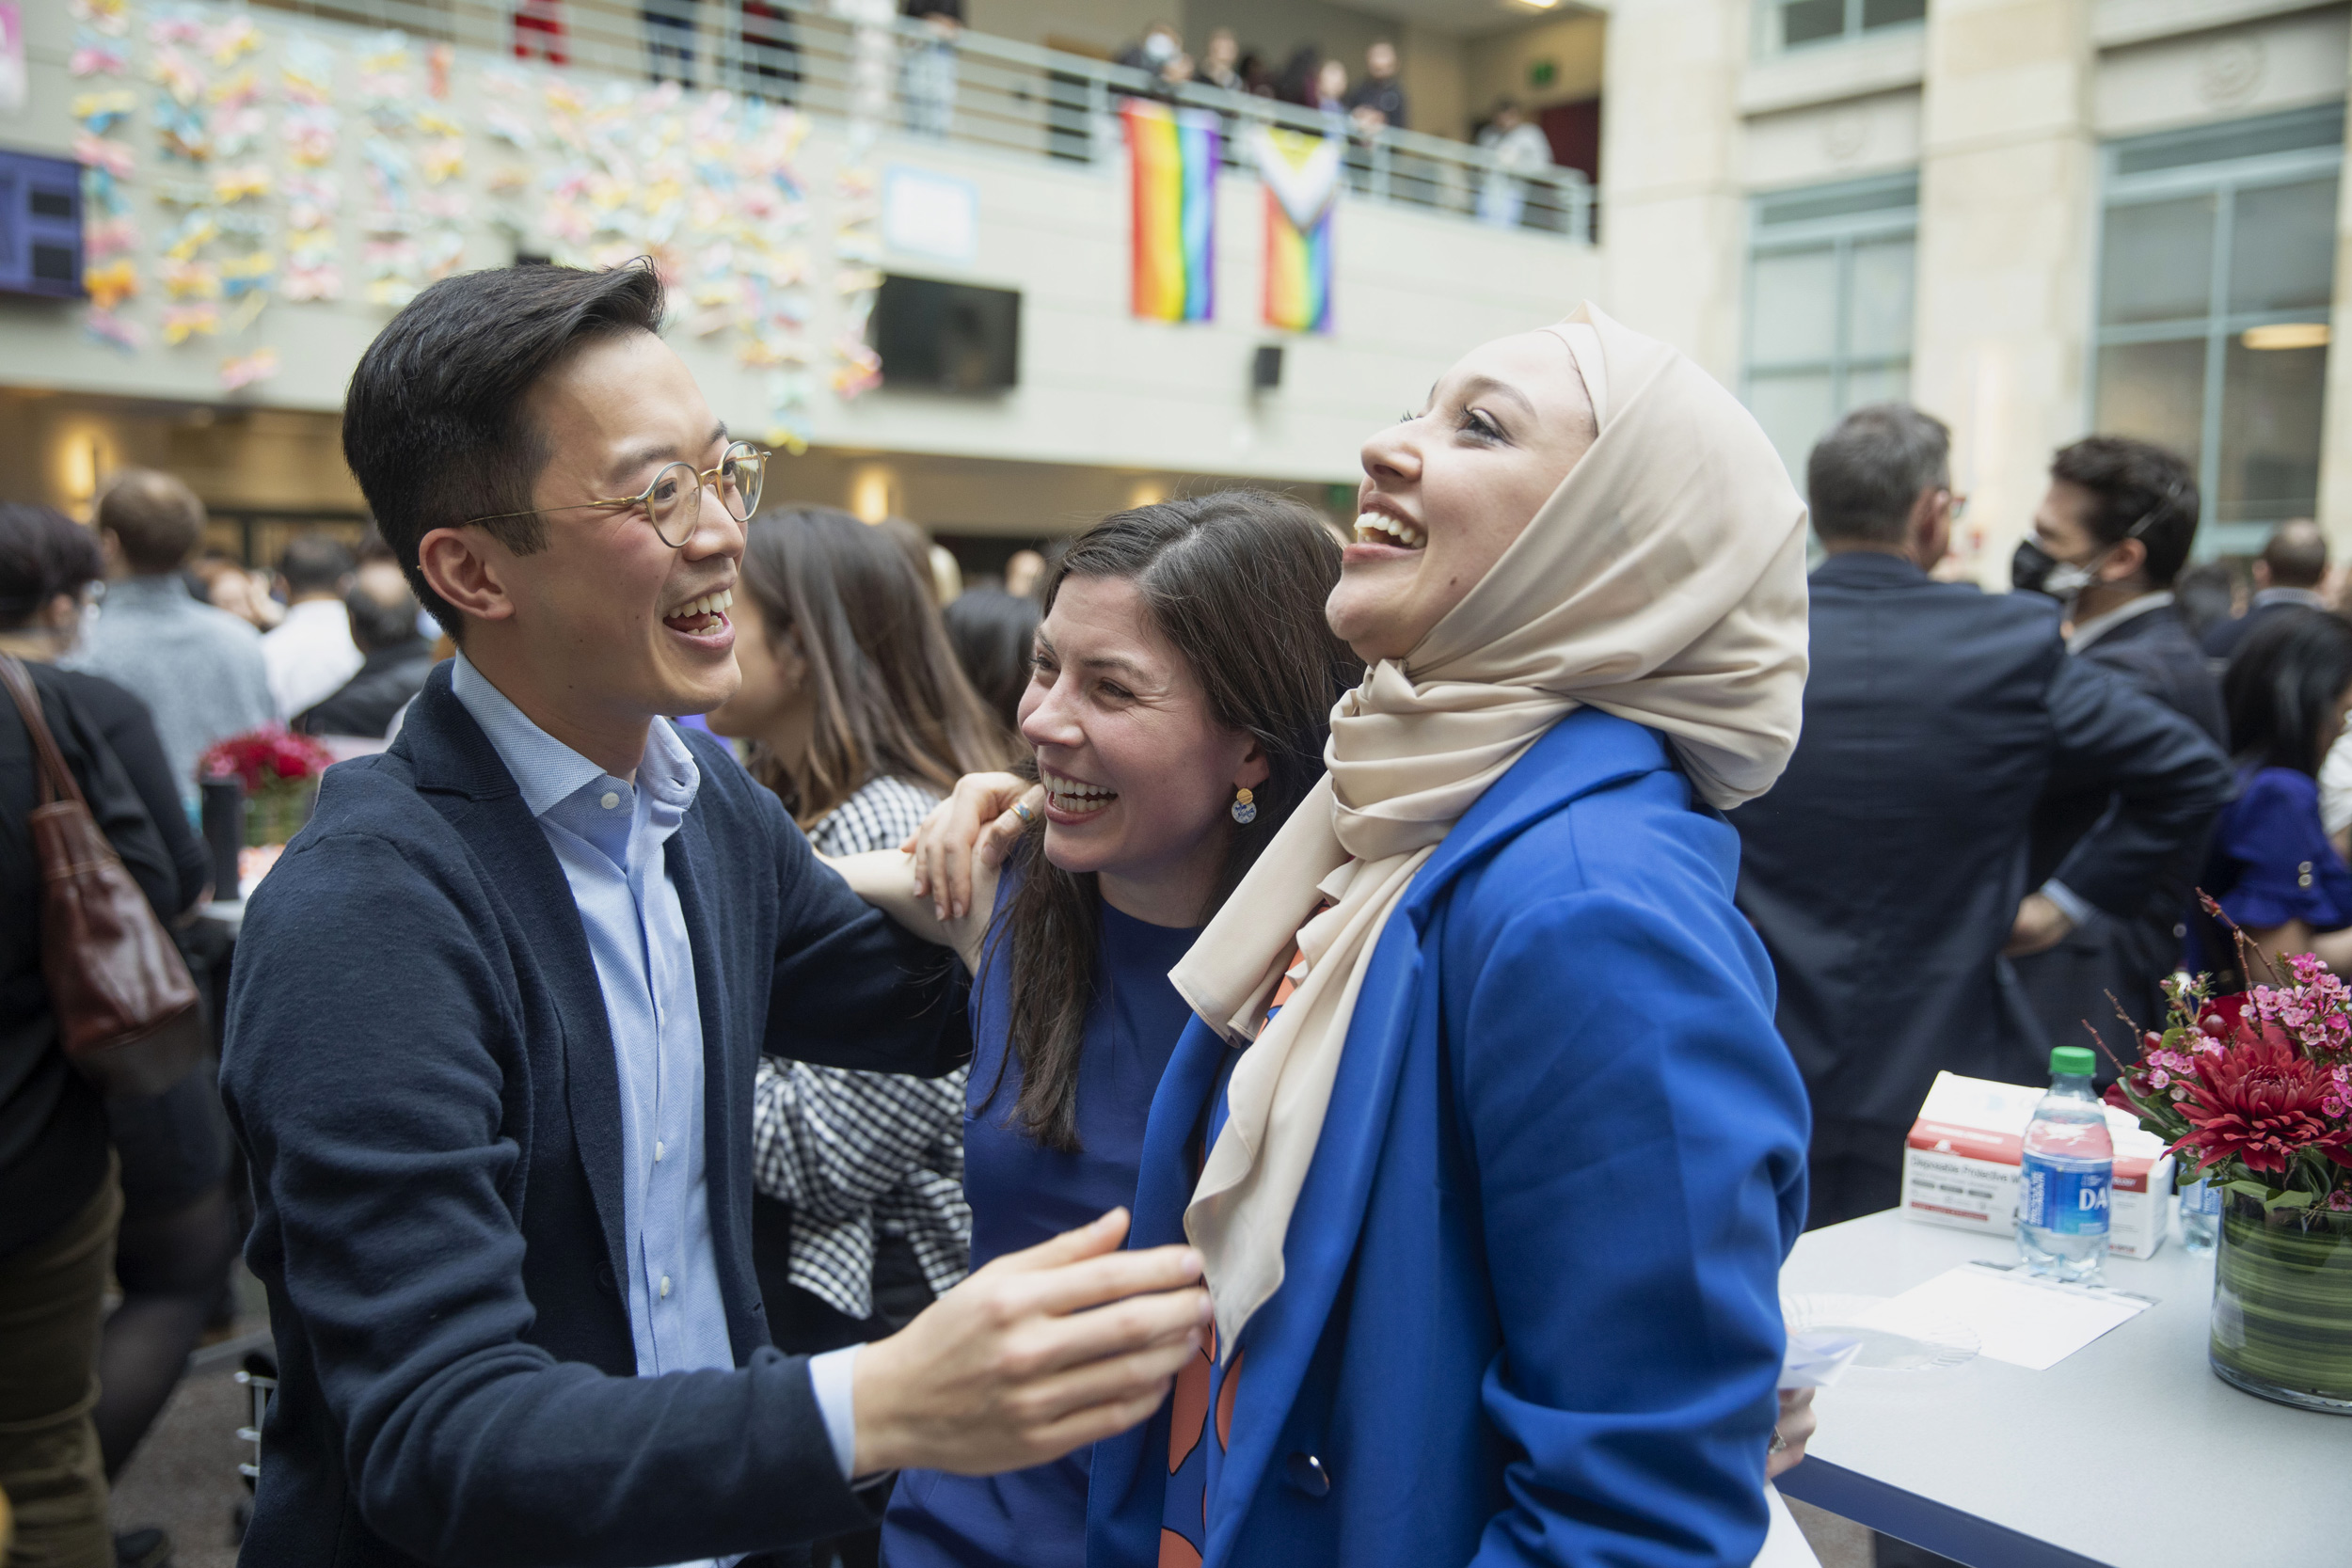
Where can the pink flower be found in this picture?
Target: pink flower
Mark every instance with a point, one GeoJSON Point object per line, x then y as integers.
{"type": "Point", "coordinates": [2340, 1200]}
{"type": "Point", "coordinates": [2160, 1078]}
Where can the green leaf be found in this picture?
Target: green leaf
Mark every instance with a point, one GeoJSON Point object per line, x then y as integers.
{"type": "Point", "coordinates": [2252, 1189]}
{"type": "Point", "coordinates": [2291, 1200]}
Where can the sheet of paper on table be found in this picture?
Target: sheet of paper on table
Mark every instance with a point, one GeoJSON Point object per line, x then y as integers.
{"type": "Point", "coordinates": [2025, 1322]}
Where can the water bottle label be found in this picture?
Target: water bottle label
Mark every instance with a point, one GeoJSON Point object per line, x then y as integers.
{"type": "Point", "coordinates": [2201, 1197]}
{"type": "Point", "coordinates": [2068, 1202]}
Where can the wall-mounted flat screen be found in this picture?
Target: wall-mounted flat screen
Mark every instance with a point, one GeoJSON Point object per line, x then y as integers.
{"type": "Point", "coordinates": [940, 337]}
{"type": "Point", "coordinates": [40, 225]}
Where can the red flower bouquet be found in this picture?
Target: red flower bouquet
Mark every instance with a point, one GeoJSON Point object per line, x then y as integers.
{"type": "Point", "coordinates": [2253, 1091]}
{"type": "Point", "coordinates": [280, 770]}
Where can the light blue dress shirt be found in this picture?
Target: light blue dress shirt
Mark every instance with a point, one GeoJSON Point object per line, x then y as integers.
{"type": "Point", "coordinates": [609, 835]}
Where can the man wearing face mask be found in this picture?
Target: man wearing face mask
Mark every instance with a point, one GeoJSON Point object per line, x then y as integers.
{"type": "Point", "coordinates": [2109, 538]}
{"type": "Point", "coordinates": [1886, 871]}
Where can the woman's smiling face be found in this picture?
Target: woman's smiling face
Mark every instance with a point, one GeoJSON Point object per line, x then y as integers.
{"type": "Point", "coordinates": [1447, 490]}
{"type": "Point", "coordinates": [1139, 776]}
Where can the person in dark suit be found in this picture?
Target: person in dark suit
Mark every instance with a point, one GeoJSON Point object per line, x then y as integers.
{"type": "Point", "coordinates": [497, 1010]}
{"type": "Point", "coordinates": [395, 658]}
{"type": "Point", "coordinates": [1886, 870]}
{"type": "Point", "coordinates": [2117, 520]}
{"type": "Point", "coordinates": [2286, 574]}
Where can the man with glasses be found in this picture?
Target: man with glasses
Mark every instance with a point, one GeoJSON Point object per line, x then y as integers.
{"type": "Point", "coordinates": [495, 1014]}
{"type": "Point", "coordinates": [1886, 871]}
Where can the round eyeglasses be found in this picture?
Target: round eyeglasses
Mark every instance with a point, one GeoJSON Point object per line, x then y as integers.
{"type": "Point", "coordinates": [673, 502]}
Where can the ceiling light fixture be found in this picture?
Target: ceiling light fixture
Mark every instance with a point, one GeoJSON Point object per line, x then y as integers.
{"type": "Point", "coordinates": [2286, 335]}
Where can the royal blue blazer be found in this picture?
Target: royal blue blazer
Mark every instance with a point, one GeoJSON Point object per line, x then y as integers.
{"type": "Point", "coordinates": [1530, 1312]}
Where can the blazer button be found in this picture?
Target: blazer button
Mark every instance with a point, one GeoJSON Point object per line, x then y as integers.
{"type": "Point", "coordinates": [604, 1277]}
{"type": "Point", "coordinates": [1308, 1474]}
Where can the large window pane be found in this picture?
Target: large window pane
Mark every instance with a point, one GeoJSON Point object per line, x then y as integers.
{"type": "Point", "coordinates": [2156, 262]}
{"type": "Point", "coordinates": [1795, 411]}
{"type": "Point", "coordinates": [1887, 13]}
{"type": "Point", "coordinates": [2270, 430]}
{"type": "Point", "coordinates": [2155, 392]}
{"type": "Point", "coordinates": [1867, 385]}
{"type": "Point", "coordinates": [2282, 246]}
{"type": "Point", "coordinates": [1878, 311]}
{"type": "Point", "coordinates": [1810, 21]}
{"type": "Point", "coordinates": [1794, 308]}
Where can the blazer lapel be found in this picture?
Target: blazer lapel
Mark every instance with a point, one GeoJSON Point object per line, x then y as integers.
{"type": "Point", "coordinates": [459, 770]}
{"type": "Point", "coordinates": [726, 1085]}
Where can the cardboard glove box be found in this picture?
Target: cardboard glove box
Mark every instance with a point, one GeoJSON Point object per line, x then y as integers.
{"type": "Point", "coordinates": [1962, 1161]}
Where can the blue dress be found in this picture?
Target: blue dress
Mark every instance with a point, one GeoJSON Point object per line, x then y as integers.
{"type": "Point", "coordinates": [1023, 1193]}
{"type": "Point", "coordinates": [2271, 862]}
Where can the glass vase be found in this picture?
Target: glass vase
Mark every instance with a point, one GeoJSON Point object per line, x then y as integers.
{"type": "Point", "coordinates": [276, 811]}
{"type": "Point", "coordinates": [2282, 1304]}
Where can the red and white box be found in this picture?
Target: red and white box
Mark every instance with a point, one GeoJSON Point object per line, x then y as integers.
{"type": "Point", "coordinates": [1961, 1165]}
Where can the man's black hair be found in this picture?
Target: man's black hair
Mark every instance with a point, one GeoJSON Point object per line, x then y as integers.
{"type": "Point", "coordinates": [2138, 485]}
{"type": "Point", "coordinates": [434, 423]}
{"type": "Point", "coordinates": [314, 563]}
{"type": "Point", "coordinates": [1865, 476]}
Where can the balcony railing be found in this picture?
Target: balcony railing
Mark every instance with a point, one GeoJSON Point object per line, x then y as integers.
{"type": "Point", "coordinates": [1004, 95]}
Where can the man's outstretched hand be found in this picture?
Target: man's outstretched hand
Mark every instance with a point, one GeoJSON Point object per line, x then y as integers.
{"type": "Point", "coordinates": [1040, 1353]}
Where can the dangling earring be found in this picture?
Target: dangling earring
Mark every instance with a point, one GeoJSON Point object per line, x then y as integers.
{"type": "Point", "coordinates": [1245, 807]}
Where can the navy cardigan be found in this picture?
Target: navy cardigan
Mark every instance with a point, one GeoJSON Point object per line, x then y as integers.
{"type": "Point", "coordinates": [420, 1069]}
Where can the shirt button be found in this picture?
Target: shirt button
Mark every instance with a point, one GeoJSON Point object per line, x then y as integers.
{"type": "Point", "coordinates": [656, 1151]}
{"type": "Point", "coordinates": [665, 1285]}
{"type": "Point", "coordinates": [611, 798]}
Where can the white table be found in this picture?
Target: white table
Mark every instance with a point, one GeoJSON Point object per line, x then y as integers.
{"type": "Point", "coordinates": [2129, 1454]}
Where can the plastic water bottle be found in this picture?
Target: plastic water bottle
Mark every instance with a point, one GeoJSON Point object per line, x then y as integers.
{"type": "Point", "coordinates": [2200, 1215]}
{"type": "Point", "coordinates": [2069, 1167]}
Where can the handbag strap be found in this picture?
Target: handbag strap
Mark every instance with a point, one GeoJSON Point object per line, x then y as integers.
{"type": "Point", "coordinates": [56, 780]}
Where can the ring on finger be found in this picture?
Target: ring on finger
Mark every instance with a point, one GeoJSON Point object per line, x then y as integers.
{"type": "Point", "coordinates": [1021, 809]}
{"type": "Point", "coordinates": [1777, 1443]}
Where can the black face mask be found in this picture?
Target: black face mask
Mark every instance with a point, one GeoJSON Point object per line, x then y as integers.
{"type": "Point", "coordinates": [2030, 569]}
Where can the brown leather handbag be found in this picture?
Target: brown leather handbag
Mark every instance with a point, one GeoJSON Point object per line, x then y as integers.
{"type": "Point", "coordinates": [126, 1010]}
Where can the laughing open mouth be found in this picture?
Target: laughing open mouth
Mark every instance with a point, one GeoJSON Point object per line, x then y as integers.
{"type": "Point", "coordinates": [1076, 797]}
{"type": "Point", "coordinates": [703, 616]}
{"type": "Point", "coordinates": [1379, 528]}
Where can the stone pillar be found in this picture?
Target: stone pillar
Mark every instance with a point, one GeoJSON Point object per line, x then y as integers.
{"type": "Point", "coordinates": [2335, 448]}
{"type": "Point", "coordinates": [2008, 238]}
{"type": "Point", "coordinates": [1671, 212]}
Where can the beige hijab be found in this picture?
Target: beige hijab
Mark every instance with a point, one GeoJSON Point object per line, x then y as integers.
{"type": "Point", "coordinates": [1665, 582]}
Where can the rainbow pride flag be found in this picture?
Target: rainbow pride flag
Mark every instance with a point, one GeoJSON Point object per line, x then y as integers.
{"type": "Point", "coordinates": [1172, 154]}
{"type": "Point", "coordinates": [1301, 175]}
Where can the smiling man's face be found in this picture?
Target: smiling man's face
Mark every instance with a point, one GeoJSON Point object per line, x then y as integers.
{"type": "Point", "coordinates": [609, 625]}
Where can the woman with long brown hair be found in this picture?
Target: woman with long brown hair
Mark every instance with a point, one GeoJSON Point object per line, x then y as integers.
{"type": "Point", "coordinates": [859, 719]}
{"type": "Point", "coordinates": [1182, 682]}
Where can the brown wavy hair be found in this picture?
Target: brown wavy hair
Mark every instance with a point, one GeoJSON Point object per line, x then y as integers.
{"type": "Point", "coordinates": [891, 700]}
{"type": "Point", "coordinates": [1237, 581]}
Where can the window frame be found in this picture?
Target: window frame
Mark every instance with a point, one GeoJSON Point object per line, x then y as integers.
{"type": "Point", "coordinates": [1770, 29]}
{"type": "Point", "coordinates": [2223, 178]}
{"type": "Point", "coordinates": [1840, 233]}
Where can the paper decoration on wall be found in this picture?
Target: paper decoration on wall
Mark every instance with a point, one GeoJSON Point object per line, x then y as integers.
{"type": "Point", "coordinates": [857, 203]}
{"type": "Point", "coordinates": [1301, 173]}
{"type": "Point", "coordinates": [1172, 163]}
{"type": "Point", "coordinates": [110, 232]}
{"type": "Point", "coordinates": [12, 74]}
{"type": "Point", "coordinates": [244, 370]}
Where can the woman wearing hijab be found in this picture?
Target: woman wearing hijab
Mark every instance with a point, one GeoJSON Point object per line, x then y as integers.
{"type": "Point", "coordinates": [1482, 1123]}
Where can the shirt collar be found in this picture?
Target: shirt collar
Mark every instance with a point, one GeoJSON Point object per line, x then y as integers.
{"type": "Point", "coordinates": [546, 770]}
{"type": "Point", "coordinates": [2099, 625]}
{"type": "Point", "coordinates": [321, 610]}
{"type": "Point", "coordinates": [2290, 595]}
{"type": "Point", "coordinates": [167, 591]}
